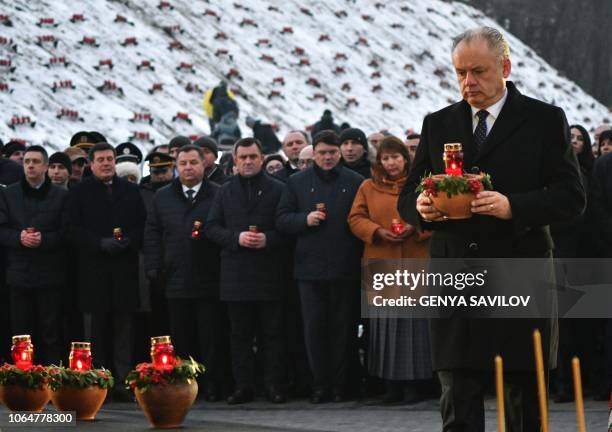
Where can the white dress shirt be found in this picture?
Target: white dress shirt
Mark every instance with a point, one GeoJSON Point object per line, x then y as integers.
{"type": "Point", "coordinates": [195, 189]}
{"type": "Point", "coordinates": [493, 111]}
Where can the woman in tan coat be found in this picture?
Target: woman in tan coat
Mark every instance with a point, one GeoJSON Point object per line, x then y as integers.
{"type": "Point", "coordinates": [398, 348]}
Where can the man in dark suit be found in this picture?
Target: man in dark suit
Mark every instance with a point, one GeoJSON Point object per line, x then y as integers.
{"type": "Point", "coordinates": [176, 247]}
{"type": "Point", "coordinates": [105, 223]}
{"type": "Point", "coordinates": [524, 145]}
{"type": "Point", "coordinates": [242, 222]}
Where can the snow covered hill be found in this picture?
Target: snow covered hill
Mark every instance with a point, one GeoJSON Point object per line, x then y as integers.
{"type": "Point", "coordinates": [375, 65]}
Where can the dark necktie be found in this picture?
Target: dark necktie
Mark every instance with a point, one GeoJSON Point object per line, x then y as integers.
{"type": "Point", "coordinates": [480, 133]}
{"type": "Point", "coordinates": [190, 193]}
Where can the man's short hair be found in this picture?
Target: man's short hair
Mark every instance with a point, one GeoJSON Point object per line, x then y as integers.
{"type": "Point", "coordinates": [328, 137]}
{"type": "Point", "coordinates": [413, 136]}
{"type": "Point", "coordinates": [496, 41]}
{"type": "Point", "coordinates": [248, 142]}
{"type": "Point", "coordinates": [301, 132]}
{"type": "Point", "coordinates": [38, 149]}
{"type": "Point", "coordinates": [98, 147]}
{"type": "Point", "coordinates": [189, 148]}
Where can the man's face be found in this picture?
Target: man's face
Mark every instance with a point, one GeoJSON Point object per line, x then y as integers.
{"type": "Point", "coordinates": [103, 165]}
{"type": "Point", "coordinates": [326, 156]}
{"type": "Point", "coordinates": [34, 166]}
{"type": "Point", "coordinates": [292, 145]}
{"type": "Point", "coordinates": [249, 160]}
{"type": "Point", "coordinates": [17, 156]}
{"type": "Point", "coordinates": [480, 73]}
{"type": "Point", "coordinates": [190, 168]}
{"type": "Point", "coordinates": [274, 166]}
{"type": "Point", "coordinates": [209, 158]}
{"type": "Point", "coordinates": [411, 145]}
{"type": "Point", "coordinates": [351, 151]}
{"type": "Point", "coordinates": [161, 174]}
{"type": "Point", "coordinates": [78, 166]}
{"type": "Point", "coordinates": [375, 139]}
{"type": "Point", "coordinates": [605, 147]}
{"type": "Point", "coordinates": [58, 174]}
{"type": "Point", "coordinates": [305, 160]}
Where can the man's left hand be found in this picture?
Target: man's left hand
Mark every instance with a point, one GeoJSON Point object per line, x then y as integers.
{"type": "Point", "coordinates": [490, 203]}
{"type": "Point", "coordinates": [260, 243]}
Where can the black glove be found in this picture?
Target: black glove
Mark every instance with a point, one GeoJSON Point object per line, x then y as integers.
{"type": "Point", "coordinates": [152, 274]}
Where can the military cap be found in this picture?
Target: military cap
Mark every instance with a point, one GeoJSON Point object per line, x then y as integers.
{"type": "Point", "coordinates": [128, 152]}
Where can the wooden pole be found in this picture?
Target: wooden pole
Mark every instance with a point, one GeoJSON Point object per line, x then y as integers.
{"type": "Point", "coordinates": [499, 387]}
{"type": "Point", "coordinates": [578, 395]}
{"type": "Point", "coordinates": [539, 363]}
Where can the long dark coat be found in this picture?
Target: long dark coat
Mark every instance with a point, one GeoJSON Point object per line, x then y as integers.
{"type": "Point", "coordinates": [105, 283]}
{"type": "Point", "coordinates": [190, 265]}
{"type": "Point", "coordinates": [248, 274]}
{"type": "Point", "coordinates": [529, 157]}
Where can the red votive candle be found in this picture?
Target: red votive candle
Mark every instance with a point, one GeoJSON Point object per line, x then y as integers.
{"type": "Point", "coordinates": [196, 229]}
{"type": "Point", "coordinates": [80, 356]}
{"type": "Point", "coordinates": [22, 351]}
{"type": "Point", "coordinates": [162, 352]}
{"type": "Point", "coordinates": [397, 226]}
{"type": "Point", "coordinates": [117, 234]}
{"type": "Point", "coordinates": [253, 228]}
{"type": "Point", "coordinates": [453, 159]}
{"type": "Point", "coordinates": [321, 207]}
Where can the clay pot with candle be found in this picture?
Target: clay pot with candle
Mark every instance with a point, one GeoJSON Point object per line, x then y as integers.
{"type": "Point", "coordinates": [166, 394]}
{"type": "Point", "coordinates": [80, 388]}
{"type": "Point", "coordinates": [24, 389]}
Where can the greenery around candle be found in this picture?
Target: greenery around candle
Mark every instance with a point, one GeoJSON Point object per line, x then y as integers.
{"type": "Point", "coordinates": [34, 378]}
{"type": "Point", "coordinates": [60, 376]}
{"type": "Point", "coordinates": [455, 185]}
{"type": "Point", "coordinates": [146, 375]}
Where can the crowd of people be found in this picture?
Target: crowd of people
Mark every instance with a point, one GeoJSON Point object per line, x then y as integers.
{"type": "Point", "coordinates": [251, 261]}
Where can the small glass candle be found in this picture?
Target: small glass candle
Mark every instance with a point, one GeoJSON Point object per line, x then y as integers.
{"type": "Point", "coordinates": [321, 207]}
{"type": "Point", "coordinates": [22, 351]}
{"type": "Point", "coordinates": [30, 230]}
{"type": "Point", "coordinates": [453, 159]}
{"type": "Point", "coordinates": [162, 352]}
{"type": "Point", "coordinates": [253, 228]}
{"type": "Point", "coordinates": [117, 234]}
{"type": "Point", "coordinates": [397, 226]}
{"type": "Point", "coordinates": [80, 356]}
{"type": "Point", "coordinates": [196, 229]}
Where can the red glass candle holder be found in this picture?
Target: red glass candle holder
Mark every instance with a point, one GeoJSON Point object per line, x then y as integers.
{"type": "Point", "coordinates": [162, 352]}
{"type": "Point", "coordinates": [196, 229]}
{"type": "Point", "coordinates": [253, 228]}
{"type": "Point", "coordinates": [453, 159]}
{"type": "Point", "coordinates": [80, 356]}
{"type": "Point", "coordinates": [397, 226]}
{"type": "Point", "coordinates": [31, 230]}
{"type": "Point", "coordinates": [22, 351]}
{"type": "Point", "coordinates": [322, 208]}
{"type": "Point", "coordinates": [117, 234]}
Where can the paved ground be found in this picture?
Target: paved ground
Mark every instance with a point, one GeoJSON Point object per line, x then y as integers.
{"type": "Point", "coordinates": [300, 416]}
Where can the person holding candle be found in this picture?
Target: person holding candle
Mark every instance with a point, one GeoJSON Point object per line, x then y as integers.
{"type": "Point", "coordinates": [178, 251]}
{"type": "Point", "coordinates": [327, 258]}
{"type": "Point", "coordinates": [30, 230]}
{"type": "Point", "coordinates": [107, 268]}
{"type": "Point", "coordinates": [242, 222]}
{"type": "Point", "coordinates": [524, 145]}
{"type": "Point", "coordinates": [398, 349]}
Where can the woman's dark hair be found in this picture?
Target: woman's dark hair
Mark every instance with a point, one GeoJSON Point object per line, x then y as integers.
{"type": "Point", "coordinates": [605, 135]}
{"type": "Point", "coordinates": [585, 157]}
{"type": "Point", "coordinates": [272, 157]}
{"type": "Point", "coordinates": [390, 144]}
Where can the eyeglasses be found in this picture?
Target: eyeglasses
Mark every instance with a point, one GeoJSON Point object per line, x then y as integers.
{"type": "Point", "coordinates": [304, 163]}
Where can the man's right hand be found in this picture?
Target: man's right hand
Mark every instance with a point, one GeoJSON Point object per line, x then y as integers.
{"type": "Point", "coordinates": [315, 218]}
{"type": "Point", "coordinates": [428, 212]}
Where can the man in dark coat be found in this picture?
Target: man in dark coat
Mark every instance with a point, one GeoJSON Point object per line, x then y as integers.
{"type": "Point", "coordinates": [176, 247]}
{"type": "Point", "coordinates": [325, 123]}
{"type": "Point", "coordinates": [30, 230]}
{"type": "Point", "coordinates": [264, 132]}
{"type": "Point", "coordinates": [105, 222]}
{"type": "Point", "coordinates": [354, 149]}
{"type": "Point", "coordinates": [534, 171]}
{"type": "Point", "coordinates": [293, 144]}
{"type": "Point", "coordinates": [327, 259]}
{"type": "Point", "coordinates": [10, 172]}
{"type": "Point", "coordinates": [242, 222]}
